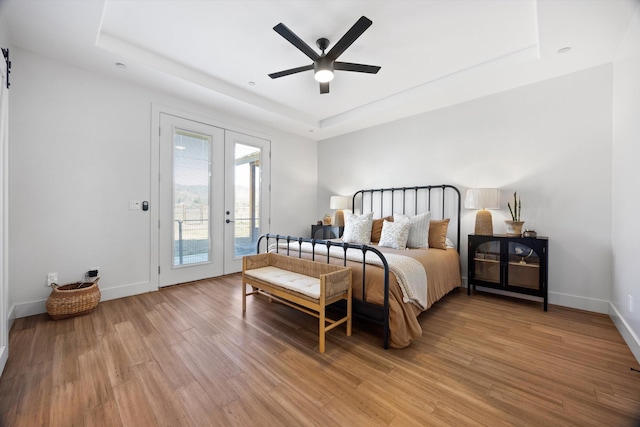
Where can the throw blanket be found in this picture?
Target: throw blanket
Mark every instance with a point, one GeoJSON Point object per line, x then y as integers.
{"type": "Point", "coordinates": [409, 272]}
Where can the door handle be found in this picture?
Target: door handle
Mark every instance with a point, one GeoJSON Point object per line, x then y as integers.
{"type": "Point", "coordinates": [228, 221]}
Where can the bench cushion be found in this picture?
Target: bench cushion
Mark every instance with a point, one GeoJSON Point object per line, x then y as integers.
{"type": "Point", "coordinates": [304, 285]}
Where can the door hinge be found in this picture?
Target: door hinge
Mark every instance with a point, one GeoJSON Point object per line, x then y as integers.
{"type": "Point", "coordinates": [158, 224]}
{"type": "Point", "coordinates": [159, 131]}
{"type": "Point", "coordinates": [158, 269]}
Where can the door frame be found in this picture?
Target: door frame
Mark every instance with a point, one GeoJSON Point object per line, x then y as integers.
{"type": "Point", "coordinates": [154, 196]}
{"type": "Point", "coordinates": [5, 320]}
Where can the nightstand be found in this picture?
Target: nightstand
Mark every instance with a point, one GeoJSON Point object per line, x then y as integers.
{"type": "Point", "coordinates": [328, 231]}
{"type": "Point", "coordinates": [510, 263]}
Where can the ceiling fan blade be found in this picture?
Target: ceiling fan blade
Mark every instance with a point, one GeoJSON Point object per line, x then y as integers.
{"type": "Point", "coordinates": [324, 87]}
{"type": "Point", "coordinates": [351, 36]}
{"type": "Point", "coordinates": [285, 32]}
{"type": "Point", "coordinates": [291, 71]}
{"type": "Point", "coordinates": [360, 68]}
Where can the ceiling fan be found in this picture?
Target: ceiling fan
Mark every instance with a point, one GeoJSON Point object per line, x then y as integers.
{"type": "Point", "coordinates": [324, 64]}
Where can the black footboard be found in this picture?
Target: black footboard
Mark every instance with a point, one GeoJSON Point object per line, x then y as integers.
{"type": "Point", "coordinates": [361, 308]}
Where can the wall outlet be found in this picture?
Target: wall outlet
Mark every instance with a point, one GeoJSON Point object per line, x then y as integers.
{"type": "Point", "coordinates": [52, 278]}
{"type": "Point", "coordinates": [630, 303]}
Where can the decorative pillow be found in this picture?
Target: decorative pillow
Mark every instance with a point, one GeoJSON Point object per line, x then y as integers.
{"type": "Point", "coordinates": [357, 229]}
{"type": "Point", "coordinates": [376, 228]}
{"type": "Point", "coordinates": [395, 234]}
{"type": "Point", "coordinates": [419, 231]}
{"type": "Point", "coordinates": [364, 217]}
{"type": "Point", "coordinates": [438, 233]}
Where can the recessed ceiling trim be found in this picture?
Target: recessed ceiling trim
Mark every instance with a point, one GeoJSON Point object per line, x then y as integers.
{"type": "Point", "coordinates": [115, 45]}
{"type": "Point", "coordinates": [526, 54]}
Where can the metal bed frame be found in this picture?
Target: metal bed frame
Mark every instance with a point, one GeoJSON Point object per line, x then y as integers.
{"type": "Point", "coordinates": [382, 202]}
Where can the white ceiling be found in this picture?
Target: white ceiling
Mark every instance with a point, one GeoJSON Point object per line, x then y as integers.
{"type": "Point", "coordinates": [433, 53]}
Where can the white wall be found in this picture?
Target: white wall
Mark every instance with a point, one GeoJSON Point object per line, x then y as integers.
{"type": "Point", "coordinates": [550, 141]}
{"type": "Point", "coordinates": [79, 151]}
{"type": "Point", "coordinates": [626, 195]}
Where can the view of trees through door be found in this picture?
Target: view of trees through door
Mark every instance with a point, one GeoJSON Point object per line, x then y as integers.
{"type": "Point", "coordinates": [191, 195]}
{"type": "Point", "coordinates": [191, 172]}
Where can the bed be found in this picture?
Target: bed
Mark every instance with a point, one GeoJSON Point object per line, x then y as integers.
{"type": "Point", "coordinates": [392, 285]}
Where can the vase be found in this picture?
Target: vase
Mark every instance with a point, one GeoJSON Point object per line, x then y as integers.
{"type": "Point", "coordinates": [514, 228]}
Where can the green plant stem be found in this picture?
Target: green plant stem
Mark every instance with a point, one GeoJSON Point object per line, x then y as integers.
{"type": "Point", "coordinates": [517, 207]}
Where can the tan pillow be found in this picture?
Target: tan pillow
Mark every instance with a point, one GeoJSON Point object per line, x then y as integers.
{"type": "Point", "coordinates": [376, 228]}
{"type": "Point", "coordinates": [438, 233]}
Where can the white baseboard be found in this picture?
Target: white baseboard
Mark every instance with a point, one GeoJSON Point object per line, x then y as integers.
{"type": "Point", "coordinates": [627, 333]}
{"type": "Point", "coordinates": [564, 300]}
{"type": "Point", "coordinates": [106, 294]}
{"type": "Point", "coordinates": [125, 291]}
{"type": "Point", "coordinates": [4, 350]}
{"type": "Point", "coordinates": [29, 308]}
{"type": "Point", "coordinates": [580, 303]}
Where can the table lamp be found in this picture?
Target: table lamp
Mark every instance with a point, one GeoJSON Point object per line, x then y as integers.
{"type": "Point", "coordinates": [483, 199]}
{"type": "Point", "coordinates": [339, 203]}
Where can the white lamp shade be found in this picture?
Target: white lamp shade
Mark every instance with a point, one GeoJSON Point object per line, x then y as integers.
{"type": "Point", "coordinates": [482, 198]}
{"type": "Point", "coordinates": [339, 202]}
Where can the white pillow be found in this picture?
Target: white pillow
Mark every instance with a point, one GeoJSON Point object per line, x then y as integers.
{"type": "Point", "coordinates": [419, 231]}
{"type": "Point", "coordinates": [395, 234]}
{"type": "Point", "coordinates": [357, 229]}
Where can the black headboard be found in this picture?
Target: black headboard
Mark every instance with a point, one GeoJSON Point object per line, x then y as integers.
{"type": "Point", "coordinates": [443, 201]}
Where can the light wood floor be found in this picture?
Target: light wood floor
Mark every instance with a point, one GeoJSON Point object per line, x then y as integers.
{"type": "Point", "coordinates": [186, 356]}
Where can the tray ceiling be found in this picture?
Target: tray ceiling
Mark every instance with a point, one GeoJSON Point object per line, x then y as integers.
{"type": "Point", "coordinates": [219, 53]}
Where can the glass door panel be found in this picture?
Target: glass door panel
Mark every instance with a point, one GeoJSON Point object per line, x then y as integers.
{"type": "Point", "coordinates": [191, 191]}
{"type": "Point", "coordinates": [487, 262]}
{"type": "Point", "coordinates": [247, 213]}
{"type": "Point", "coordinates": [524, 266]}
{"type": "Point", "coordinates": [247, 199]}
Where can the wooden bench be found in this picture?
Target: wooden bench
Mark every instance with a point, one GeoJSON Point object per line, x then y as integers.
{"type": "Point", "coordinates": [305, 285]}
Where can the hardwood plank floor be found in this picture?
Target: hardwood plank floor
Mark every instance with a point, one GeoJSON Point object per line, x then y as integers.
{"type": "Point", "coordinates": [186, 356]}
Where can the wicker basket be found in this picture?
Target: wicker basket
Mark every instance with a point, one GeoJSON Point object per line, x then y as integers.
{"type": "Point", "coordinates": [72, 300]}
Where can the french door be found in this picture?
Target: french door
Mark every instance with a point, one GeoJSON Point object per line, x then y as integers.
{"type": "Point", "coordinates": [247, 177]}
{"type": "Point", "coordinates": [212, 202]}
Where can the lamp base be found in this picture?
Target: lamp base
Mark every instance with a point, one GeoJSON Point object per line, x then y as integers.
{"type": "Point", "coordinates": [484, 223]}
{"type": "Point", "coordinates": [338, 219]}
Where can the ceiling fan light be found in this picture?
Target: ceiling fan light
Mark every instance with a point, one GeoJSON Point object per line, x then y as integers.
{"type": "Point", "coordinates": [323, 76]}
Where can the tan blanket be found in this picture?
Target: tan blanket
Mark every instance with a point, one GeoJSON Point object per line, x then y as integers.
{"type": "Point", "coordinates": [409, 272]}
{"type": "Point", "coordinates": [443, 275]}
